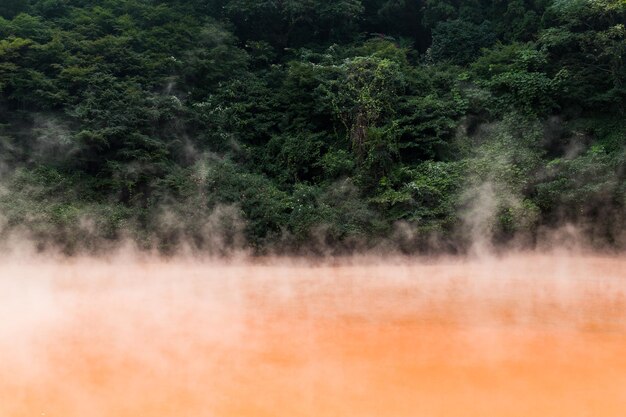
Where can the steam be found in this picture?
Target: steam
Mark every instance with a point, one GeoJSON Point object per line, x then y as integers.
{"type": "Point", "coordinates": [505, 162]}
{"type": "Point", "coordinates": [143, 335]}
{"type": "Point", "coordinates": [479, 217]}
{"type": "Point", "coordinates": [52, 140]}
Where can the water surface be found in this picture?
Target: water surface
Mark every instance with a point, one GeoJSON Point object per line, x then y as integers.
{"type": "Point", "coordinates": [526, 335]}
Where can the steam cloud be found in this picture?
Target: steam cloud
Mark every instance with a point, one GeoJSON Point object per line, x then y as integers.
{"type": "Point", "coordinates": [139, 335]}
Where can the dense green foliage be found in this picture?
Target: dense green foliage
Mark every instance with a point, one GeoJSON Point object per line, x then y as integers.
{"type": "Point", "coordinates": [311, 124]}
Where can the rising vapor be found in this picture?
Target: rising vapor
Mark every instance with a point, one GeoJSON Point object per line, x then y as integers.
{"type": "Point", "coordinates": [521, 335]}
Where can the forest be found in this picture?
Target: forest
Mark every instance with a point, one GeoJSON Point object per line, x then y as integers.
{"type": "Point", "coordinates": [325, 126]}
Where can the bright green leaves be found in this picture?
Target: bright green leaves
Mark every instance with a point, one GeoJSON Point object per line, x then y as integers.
{"type": "Point", "coordinates": [429, 115]}
{"type": "Point", "coordinates": [362, 96]}
{"type": "Point", "coordinates": [310, 122]}
{"type": "Point", "coordinates": [27, 26]}
{"type": "Point", "coordinates": [332, 217]}
{"type": "Point", "coordinates": [517, 77]}
{"type": "Point", "coordinates": [588, 40]}
{"type": "Point", "coordinates": [9, 48]}
{"type": "Point", "coordinates": [9, 57]}
{"type": "Point", "coordinates": [573, 13]}
{"type": "Point", "coordinates": [425, 195]}
{"type": "Point", "coordinates": [357, 96]}
{"type": "Point", "coordinates": [529, 92]}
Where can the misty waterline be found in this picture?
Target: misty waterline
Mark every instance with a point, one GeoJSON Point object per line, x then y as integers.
{"type": "Point", "coordinates": [521, 335]}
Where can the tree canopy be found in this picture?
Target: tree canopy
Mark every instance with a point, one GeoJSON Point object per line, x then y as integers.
{"type": "Point", "coordinates": [311, 124]}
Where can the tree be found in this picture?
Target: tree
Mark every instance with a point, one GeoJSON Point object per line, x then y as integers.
{"type": "Point", "coordinates": [459, 41]}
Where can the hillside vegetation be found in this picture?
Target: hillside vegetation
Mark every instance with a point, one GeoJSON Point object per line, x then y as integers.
{"type": "Point", "coordinates": [311, 124]}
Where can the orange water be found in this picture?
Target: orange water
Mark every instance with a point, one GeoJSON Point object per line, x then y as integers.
{"type": "Point", "coordinates": [527, 335]}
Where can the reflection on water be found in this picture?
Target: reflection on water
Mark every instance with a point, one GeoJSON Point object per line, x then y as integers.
{"type": "Point", "coordinates": [523, 336]}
